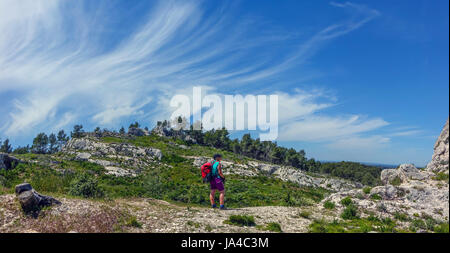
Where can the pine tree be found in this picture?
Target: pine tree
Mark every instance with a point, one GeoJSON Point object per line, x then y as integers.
{"type": "Point", "coordinates": [5, 147]}
{"type": "Point", "coordinates": [62, 138]}
{"type": "Point", "coordinates": [22, 150]}
{"type": "Point", "coordinates": [98, 132]}
{"type": "Point", "coordinates": [77, 132]}
{"type": "Point", "coordinates": [53, 143]}
{"type": "Point", "coordinates": [40, 144]}
{"type": "Point", "coordinates": [135, 125]}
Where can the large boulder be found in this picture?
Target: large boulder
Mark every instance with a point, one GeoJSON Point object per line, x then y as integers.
{"type": "Point", "coordinates": [161, 130]}
{"type": "Point", "coordinates": [386, 192]}
{"type": "Point", "coordinates": [440, 159]}
{"type": "Point", "coordinates": [403, 173]}
{"type": "Point", "coordinates": [82, 157]}
{"type": "Point", "coordinates": [135, 131]}
{"type": "Point", "coordinates": [32, 201]}
{"type": "Point", "coordinates": [8, 162]}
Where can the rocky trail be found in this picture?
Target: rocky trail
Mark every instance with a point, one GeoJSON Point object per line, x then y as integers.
{"type": "Point", "coordinates": [150, 215]}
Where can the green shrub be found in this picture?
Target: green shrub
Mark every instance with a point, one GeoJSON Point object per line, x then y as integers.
{"type": "Point", "coordinates": [376, 196]}
{"type": "Point", "coordinates": [441, 176]}
{"type": "Point", "coordinates": [2, 181]}
{"type": "Point", "coordinates": [356, 225]}
{"type": "Point", "coordinates": [360, 196]}
{"type": "Point", "coordinates": [274, 227]}
{"type": "Point", "coordinates": [367, 190]}
{"type": "Point", "coordinates": [417, 224]}
{"type": "Point", "coordinates": [133, 222]}
{"type": "Point", "coordinates": [346, 201]}
{"type": "Point", "coordinates": [441, 228]}
{"type": "Point", "coordinates": [305, 214]}
{"type": "Point", "coordinates": [329, 205]}
{"type": "Point", "coordinates": [241, 220]}
{"type": "Point", "coordinates": [401, 216]}
{"type": "Point", "coordinates": [396, 181]}
{"type": "Point", "coordinates": [350, 212]}
{"type": "Point", "coordinates": [172, 159]}
{"type": "Point", "coordinates": [321, 226]}
{"type": "Point", "coordinates": [85, 186]}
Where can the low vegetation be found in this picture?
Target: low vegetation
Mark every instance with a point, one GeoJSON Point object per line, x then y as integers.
{"type": "Point", "coordinates": [305, 214]}
{"type": "Point", "coordinates": [441, 176]}
{"type": "Point", "coordinates": [350, 212]}
{"type": "Point", "coordinates": [329, 205]}
{"type": "Point", "coordinates": [241, 220]}
{"type": "Point", "coordinates": [365, 174]}
{"type": "Point", "coordinates": [274, 227]}
{"type": "Point", "coordinates": [367, 190]}
{"type": "Point", "coordinates": [178, 181]}
{"type": "Point", "coordinates": [356, 225]}
{"type": "Point", "coordinates": [346, 201]}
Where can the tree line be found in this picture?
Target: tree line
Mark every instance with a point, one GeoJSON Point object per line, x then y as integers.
{"type": "Point", "coordinates": [269, 151]}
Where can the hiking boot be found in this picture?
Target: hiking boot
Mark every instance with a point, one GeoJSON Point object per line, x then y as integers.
{"type": "Point", "coordinates": [222, 207]}
{"type": "Point", "coordinates": [214, 206]}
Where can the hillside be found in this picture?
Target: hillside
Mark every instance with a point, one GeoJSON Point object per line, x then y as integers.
{"type": "Point", "coordinates": [150, 182]}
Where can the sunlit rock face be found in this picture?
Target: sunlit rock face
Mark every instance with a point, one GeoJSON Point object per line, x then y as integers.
{"type": "Point", "coordinates": [439, 161]}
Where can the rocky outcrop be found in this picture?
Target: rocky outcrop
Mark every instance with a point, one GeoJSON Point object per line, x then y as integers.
{"type": "Point", "coordinates": [440, 159]}
{"type": "Point", "coordinates": [289, 174]}
{"type": "Point", "coordinates": [404, 173]}
{"type": "Point", "coordinates": [405, 190]}
{"type": "Point", "coordinates": [163, 129]}
{"type": "Point", "coordinates": [32, 201]}
{"type": "Point", "coordinates": [97, 148]}
{"type": "Point", "coordinates": [118, 159]}
{"type": "Point", "coordinates": [408, 190]}
{"type": "Point", "coordinates": [135, 131]}
{"type": "Point", "coordinates": [8, 162]}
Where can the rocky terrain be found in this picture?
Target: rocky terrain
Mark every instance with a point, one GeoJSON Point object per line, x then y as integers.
{"type": "Point", "coordinates": [152, 216]}
{"type": "Point", "coordinates": [439, 161]}
{"type": "Point", "coordinates": [255, 168]}
{"type": "Point", "coordinates": [118, 159]}
{"type": "Point", "coordinates": [407, 191]}
{"type": "Point", "coordinates": [409, 199]}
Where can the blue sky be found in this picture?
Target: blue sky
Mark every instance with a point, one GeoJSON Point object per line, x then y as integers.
{"type": "Point", "coordinates": [360, 80]}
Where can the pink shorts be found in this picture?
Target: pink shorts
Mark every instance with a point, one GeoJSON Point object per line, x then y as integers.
{"type": "Point", "coordinates": [217, 184]}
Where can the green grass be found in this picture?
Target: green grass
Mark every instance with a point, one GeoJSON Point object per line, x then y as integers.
{"type": "Point", "coordinates": [180, 182]}
{"type": "Point", "coordinates": [274, 227]}
{"type": "Point", "coordinates": [376, 196]}
{"type": "Point", "coordinates": [401, 216]}
{"type": "Point", "coordinates": [357, 225]}
{"type": "Point", "coordinates": [367, 190]}
{"type": "Point", "coordinates": [241, 220]}
{"type": "Point", "coordinates": [350, 212]}
{"type": "Point", "coordinates": [329, 205]}
{"type": "Point", "coordinates": [346, 201]}
{"type": "Point", "coordinates": [441, 228]}
{"type": "Point", "coordinates": [396, 181]}
{"type": "Point", "coordinates": [441, 176]}
{"type": "Point", "coordinates": [133, 222]}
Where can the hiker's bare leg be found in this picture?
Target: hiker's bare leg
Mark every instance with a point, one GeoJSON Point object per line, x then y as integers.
{"type": "Point", "coordinates": [222, 197]}
{"type": "Point", "coordinates": [211, 197]}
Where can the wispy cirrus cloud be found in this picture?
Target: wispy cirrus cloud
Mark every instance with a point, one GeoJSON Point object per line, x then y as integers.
{"type": "Point", "coordinates": [64, 64]}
